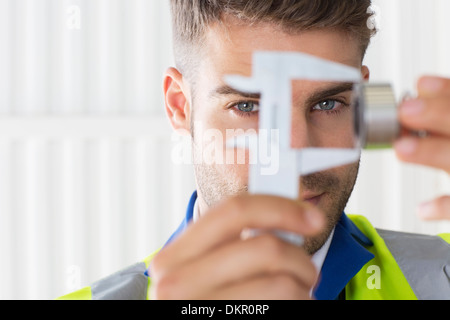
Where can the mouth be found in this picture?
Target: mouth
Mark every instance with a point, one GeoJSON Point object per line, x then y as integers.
{"type": "Point", "coordinates": [313, 198]}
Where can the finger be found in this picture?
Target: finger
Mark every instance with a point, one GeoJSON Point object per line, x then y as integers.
{"type": "Point", "coordinates": [430, 151]}
{"type": "Point", "coordinates": [226, 222]}
{"type": "Point", "coordinates": [431, 114]}
{"type": "Point", "coordinates": [430, 86]}
{"type": "Point", "coordinates": [264, 255]}
{"type": "Point", "coordinates": [438, 209]}
{"type": "Point", "coordinates": [276, 287]}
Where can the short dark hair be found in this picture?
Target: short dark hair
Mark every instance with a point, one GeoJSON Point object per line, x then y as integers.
{"type": "Point", "coordinates": [191, 19]}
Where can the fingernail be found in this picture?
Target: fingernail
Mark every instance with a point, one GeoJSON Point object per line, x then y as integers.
{"type": "Point", "coordinates": [412, 107]}
{"type": "Point", "coordinates": [314, 217]}
{"type": "Point", "coordinates": [431, 84]}
{"type": "Point", "coordinates": [406, 146]}
{"type": "Point", "coordinates": [426, 210]}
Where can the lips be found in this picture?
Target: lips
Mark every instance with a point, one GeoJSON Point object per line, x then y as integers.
{"type": "Point", "coordinates": [312, 198]}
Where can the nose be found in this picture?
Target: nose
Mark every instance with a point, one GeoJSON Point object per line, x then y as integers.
{"type": "Point", "coordinates": [299, 130]}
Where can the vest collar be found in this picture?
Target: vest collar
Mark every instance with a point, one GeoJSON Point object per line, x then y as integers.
{"type": "Point", "coordinates": [345, 258]}
{"type": "Point", "coordinates": [346, 255]}
{"type": "Point", "coordinates": [187, 219]}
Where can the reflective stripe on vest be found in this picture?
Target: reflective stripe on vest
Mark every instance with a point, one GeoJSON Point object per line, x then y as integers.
{"type": "Point", "coordinates": [424, 261]}
{"type": "Point", "coordinates": [127, 284]}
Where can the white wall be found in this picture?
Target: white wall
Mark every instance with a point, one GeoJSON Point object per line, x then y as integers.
{"type": "Point", "coordinates": [87, 185]}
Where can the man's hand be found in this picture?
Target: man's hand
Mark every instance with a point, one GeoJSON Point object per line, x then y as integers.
{"type": "Point", "coordinates": [429, 112]}
{"type": "Point", "coordinates": [211, 260]}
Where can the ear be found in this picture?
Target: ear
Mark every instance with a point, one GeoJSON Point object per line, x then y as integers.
{"type": "Point", "coordinates": [365, 73]}
{"type": "Point", "coordinates": [177, 100]}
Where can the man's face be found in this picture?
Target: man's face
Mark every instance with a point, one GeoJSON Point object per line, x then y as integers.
{"type": "Point", "coordinates": [217, 107]}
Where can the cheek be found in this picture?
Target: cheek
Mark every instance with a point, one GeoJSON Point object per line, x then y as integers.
{"type": "Point", "coordinates": [210, 149]}
{"type": "Point", "coordinates": [343, 138]}
{"type": "Point", "coordinates": [334, 134]}
{"type": "Point", "coordinates": [347, 175]}
{"type": "Point", "coordinates": [212, 129]}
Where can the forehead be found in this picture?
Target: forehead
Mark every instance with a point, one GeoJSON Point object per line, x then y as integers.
{"type": "Point", "coordinates": [229, 46]}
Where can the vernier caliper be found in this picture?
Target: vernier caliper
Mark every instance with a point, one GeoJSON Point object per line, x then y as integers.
{"type": "Point", "coordinates": [273, 73]}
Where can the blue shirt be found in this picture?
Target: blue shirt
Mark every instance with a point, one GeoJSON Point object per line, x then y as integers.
{"type": "Point", "coordinates": [345, 257]}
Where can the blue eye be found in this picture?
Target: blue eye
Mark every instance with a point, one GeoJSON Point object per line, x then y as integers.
{"type": "Point", "coordinates": [326, 105]}
{"type": "Point", "coordinates": [247, 106]}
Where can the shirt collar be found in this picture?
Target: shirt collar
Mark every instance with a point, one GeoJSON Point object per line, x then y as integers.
{"type": "Point", "coordinates": [196, 212]}
{"type": "Point", "coordinates": [318, 258]}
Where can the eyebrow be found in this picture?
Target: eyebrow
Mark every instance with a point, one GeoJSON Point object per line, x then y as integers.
{"type": "Point", "coordinates": [320, 94]}
{"type": "Point", "coordinates": [229, 91]}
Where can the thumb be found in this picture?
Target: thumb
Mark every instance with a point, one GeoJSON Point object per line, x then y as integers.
{"type": "Point", "coordinates": [438, 209]}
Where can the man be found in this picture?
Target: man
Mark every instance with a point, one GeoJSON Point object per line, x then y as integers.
{"type": "Point", "coordinates": [342, 258]}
